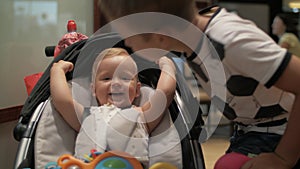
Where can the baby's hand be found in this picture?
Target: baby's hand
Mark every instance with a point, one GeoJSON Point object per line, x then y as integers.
{"type": "Point", "coordinates": [63, 65]}
{"type": "Point", "coordinates": [167, 65]}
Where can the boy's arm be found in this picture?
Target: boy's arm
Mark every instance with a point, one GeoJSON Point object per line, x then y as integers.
{"type": "Point", "coordinates": [164, 94]}
{"type": "Point", "coordinates": [61, 94]}
{"type": "Point", "coordinates": [287, 152]}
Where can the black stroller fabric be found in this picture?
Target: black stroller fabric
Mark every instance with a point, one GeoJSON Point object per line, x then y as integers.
{"type": "Point", "coordinates": [41, 92]}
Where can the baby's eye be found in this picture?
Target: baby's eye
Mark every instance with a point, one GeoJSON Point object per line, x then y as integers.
{"type": "Point", "coordinates": [126, 78]}
{"type": "Point", "coordinates": [105, 78]}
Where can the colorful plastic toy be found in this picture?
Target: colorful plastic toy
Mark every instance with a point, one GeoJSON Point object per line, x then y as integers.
{"type": "Point", "coordinates": [107, 160]}
{"type": "Point", "coordinates": [163, 165]}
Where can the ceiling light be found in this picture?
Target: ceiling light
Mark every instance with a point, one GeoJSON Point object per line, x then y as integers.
{"type": "Point", "coordinates": [294, 4]}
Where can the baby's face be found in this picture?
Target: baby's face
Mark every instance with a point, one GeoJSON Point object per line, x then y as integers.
{"type": "Point", "coordinates": [116, 81]}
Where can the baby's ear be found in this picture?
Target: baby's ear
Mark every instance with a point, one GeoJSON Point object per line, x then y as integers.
{"type": "Point", "coordinates": [138, 89]}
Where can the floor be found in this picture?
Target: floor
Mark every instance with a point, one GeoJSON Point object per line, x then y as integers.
{"type": "Point", "coordinates": [213, 149]}
{"type": "Point", "coordinates": [217, 144]}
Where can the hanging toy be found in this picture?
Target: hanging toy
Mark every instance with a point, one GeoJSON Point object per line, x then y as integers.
{"type": "Point", "coordinates": [69, 38]}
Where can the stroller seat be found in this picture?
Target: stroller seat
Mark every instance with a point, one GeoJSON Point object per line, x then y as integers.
{"type": "Point", "coordinates": [47, 136]}
{"type": "Point", "coordinates": [54, 137]}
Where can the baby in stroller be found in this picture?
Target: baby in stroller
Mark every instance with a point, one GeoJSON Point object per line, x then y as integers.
{"type": "Point", "coordinates": [116, 124]}
{"type": "Point", "coordinates": [44, 134]}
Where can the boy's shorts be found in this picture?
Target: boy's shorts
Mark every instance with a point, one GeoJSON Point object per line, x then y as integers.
{"type": "Point", "coordinates": [253, 143]}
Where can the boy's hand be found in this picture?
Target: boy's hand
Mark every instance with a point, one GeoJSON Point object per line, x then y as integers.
{"type": "Point", "coordinates": [63, 65]}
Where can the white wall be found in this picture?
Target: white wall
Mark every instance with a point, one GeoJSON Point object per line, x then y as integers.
{"type": "Point", "coordinates": [27, 26]}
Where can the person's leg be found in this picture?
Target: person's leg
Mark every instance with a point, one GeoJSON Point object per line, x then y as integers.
{"type": "Point", "coordinates": [243, 146]}
{"type": "Point", "coordinates": [231, 160]}
{"type": "Point", "coordinates": [235, 160]}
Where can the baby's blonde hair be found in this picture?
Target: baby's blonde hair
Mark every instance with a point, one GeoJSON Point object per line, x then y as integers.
{"type": "Point", "coordinates": [107, 53]}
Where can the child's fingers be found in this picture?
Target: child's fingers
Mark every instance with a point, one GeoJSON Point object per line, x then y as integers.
{"type": "Point", "coordinates": [166, 62]}
{"type": "Point", "coordinates": [70, 66]}
{"type": "Point", "coordinates": [65, 65]}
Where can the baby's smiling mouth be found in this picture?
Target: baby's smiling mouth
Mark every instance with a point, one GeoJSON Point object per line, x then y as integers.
{"type": "Point", "coordinates": [116, 94]}
{"type": "Point", "coordinates": [117, 97]}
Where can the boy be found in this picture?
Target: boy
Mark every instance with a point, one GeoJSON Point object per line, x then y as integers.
{"type": "Point", "coordinates": [251, 60]}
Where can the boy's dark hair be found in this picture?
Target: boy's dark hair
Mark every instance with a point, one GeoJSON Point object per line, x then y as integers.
{"type": "Point", "coordinates": [290, 22]}
{"type": "Point", "coordinates": [113, 9]}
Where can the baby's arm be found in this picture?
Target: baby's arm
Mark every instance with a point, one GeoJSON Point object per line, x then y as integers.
{"type": "Point", "coordinates": [163, 96]}
{"type": "Point", "coordinates": [61, 94]}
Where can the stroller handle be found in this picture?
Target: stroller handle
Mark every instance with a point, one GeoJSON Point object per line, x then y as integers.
{"type": "Point", "coordinates": [49, 51]}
